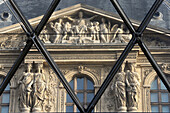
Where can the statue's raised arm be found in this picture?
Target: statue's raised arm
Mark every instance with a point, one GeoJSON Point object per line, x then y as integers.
{"type": "Point", "coordinates": [71, 19]}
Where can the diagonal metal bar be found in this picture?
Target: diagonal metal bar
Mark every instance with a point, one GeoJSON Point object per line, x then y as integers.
{"type": "Point", "coordinates": [112, 73]}
{"type": "Point", "coordinates": [26, 48]}
{"type": "Point", "coordinates": [144, 48]}
{"type": "Point", "coordinates": [123, 15]}
{"type": "Point", "coordinates": [154, 64]}
{"type": "Point", "coordinates": [149, 16]}
{"type": "Point", "coordinates": [127, 50]}
{"type": "Point", "coordinates": [114, 70]}
{"type": "Point", "coordinates": [139, 32]}
{"type": "Point", "coordinates": [26, 24]}
{"type": "Point", "coordinates": [15, 66]}
{"type": "Point", "coordinates": [39, 45]}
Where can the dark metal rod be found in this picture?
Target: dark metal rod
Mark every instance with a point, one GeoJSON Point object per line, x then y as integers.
{"type": "Point", "coordinates": [16, 17]}
{"type": "Point", "coordinates": [53, 65]}
{"type": "Point", "coordinates": [15, 66]}
{"type": "Point", "coordinates": [44, 52]}
{"type": "Point", "coordinates": [154, 64]}
{"type": "Point", "coordinates": [111, 74]}
{"type": "Point", "coordinates": [123, 16]}
{"type": "Point", "coordinates": [45, 19]}
{"type": "Point", "coordinates": [42, 49]}
{"type": "Point", "coordinates": [26, 48]}
{"type": "Point", "coordinates": [149, 16]}
{"type": "Point", "coordinates": [21, 17]}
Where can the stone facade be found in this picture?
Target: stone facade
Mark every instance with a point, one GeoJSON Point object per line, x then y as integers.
{"type": "Point", "coordinates": [83, 41]}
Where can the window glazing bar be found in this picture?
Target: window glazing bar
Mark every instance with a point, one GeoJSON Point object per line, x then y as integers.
{"type": "Point", "coordinates": [28, 46]}
{"type": "Point", "coordinates": [15, 66]}
{"type": "Point", "coordinates": [123, 15]}
{"type": "Point", "coordinates": [111, 75]}
{"type": "Point", "coordinates": [40, 46]}
{"type": "Point", "coordinates": [149, 16]}
{"type": "Point", "coordinates": [154, 64]}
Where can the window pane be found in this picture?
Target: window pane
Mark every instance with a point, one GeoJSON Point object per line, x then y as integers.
{"type": "Point", "coordinates": [154, 108]}
{"type": "Point", "coordinates": [165, 108]}
{"type": "Point", "coordinates": [72, 84]}
{"type": "Point", "coordinates": [154, 97]}
{"type": "Point", "coordinates": [4, 109]}
{"type": "Point", "coordinates": [164, 97]}
{"type": "Point", "coordinates": [5, 98]}
{"type": "Point", "coordinates": [69, 108]}
{"type": "Point", "coordinates": [90, 85]}
{"type": "Point", "coordinates": [90, 97]}
{"type": "Point", "coordinates": [154, 84]}
{"type": "Point", "coordinates": [162, 85]}
{"type": "Point", "coordinates": [80, 83]}
{"type": "Point", "coordinates": [7, 88]}
{"type": "Point", "coordinates": [69, 100]}
{"type": "Point", "coordinates": [80, 97]}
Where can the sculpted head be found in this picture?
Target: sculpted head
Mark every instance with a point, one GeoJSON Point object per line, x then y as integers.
{"type": "Point", "coordinates": [96, 23]}
{"type": "Point", "coordinates": [60, 20]}
{"type": "Point", "coordinates": [103, 20]}
{"type": "Point", "coordinates": [80, 14]}
{"type": "Point", "coordinates": [132, 67]}
{"type": "Point", "coordinates": [122, 68]}
{"type": "Point", "coordinates": [29, 67]}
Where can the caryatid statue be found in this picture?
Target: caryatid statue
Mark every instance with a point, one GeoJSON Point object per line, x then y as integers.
{"type": "Point", "coordinates": [39, 88]}
{"type": "Point", "coordinates": [25, 89]}
{"type": "Point", "coordinates": [119, 88]}
{"type": "Point", "coordinates": [80, 24]}
{"type": "Point", "coordinates": [133, 88]}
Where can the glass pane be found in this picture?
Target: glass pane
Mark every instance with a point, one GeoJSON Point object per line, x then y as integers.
{"type": "Point", "coordinates": [4, 109]}
{"type": "Point", "coordinates": [154, 97]}
{"type": "Point", "coordinates": [5, 98]}
{"type": "Point", "coordinates": [80, 83]}
{"type": "Point", "coordinates": [80, 97]}
{"type": "Point", "coordinates": [162, 85]}
{"type": "Point", "coordinates": [154, 84]}
{"type": "Point", "coordinates": [164, 97]}
{"type": "Point", "coordinates": [7, 88]}
{"type": "Point", "coordinates": [165, 108]}
{"type": "Point", "coordinates": [90, 85]}
{"type": "Point", "coordinates": [69, 100]}
{"type": "Point", "coordinates": [69, 108]}
{"type": "Point", "coordinates": [72, 84]}
{"type": "Point", "coordinates": [90, 97]}
{"type": "Point", "coordinates": [154, 108]}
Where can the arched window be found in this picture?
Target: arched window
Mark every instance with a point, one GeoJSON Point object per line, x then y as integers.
{"type": "Point", "coordinates": [160, 98]}
{"type": "Point", "coordinates": [4, 98]}
{"type": "Point", "coordinates": [84, 89]}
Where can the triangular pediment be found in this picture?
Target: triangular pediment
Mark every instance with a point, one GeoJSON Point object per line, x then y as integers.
{"type": "Point", "coordinates": [82, 24]}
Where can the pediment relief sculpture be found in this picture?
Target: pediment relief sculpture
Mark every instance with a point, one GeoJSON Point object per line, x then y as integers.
{"type": "Point", "coordinates": [81, 30]}
{"type": "Point", "coordinates": [80, 27]}
{"type": "Point", "coordinates": [12, 41]}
